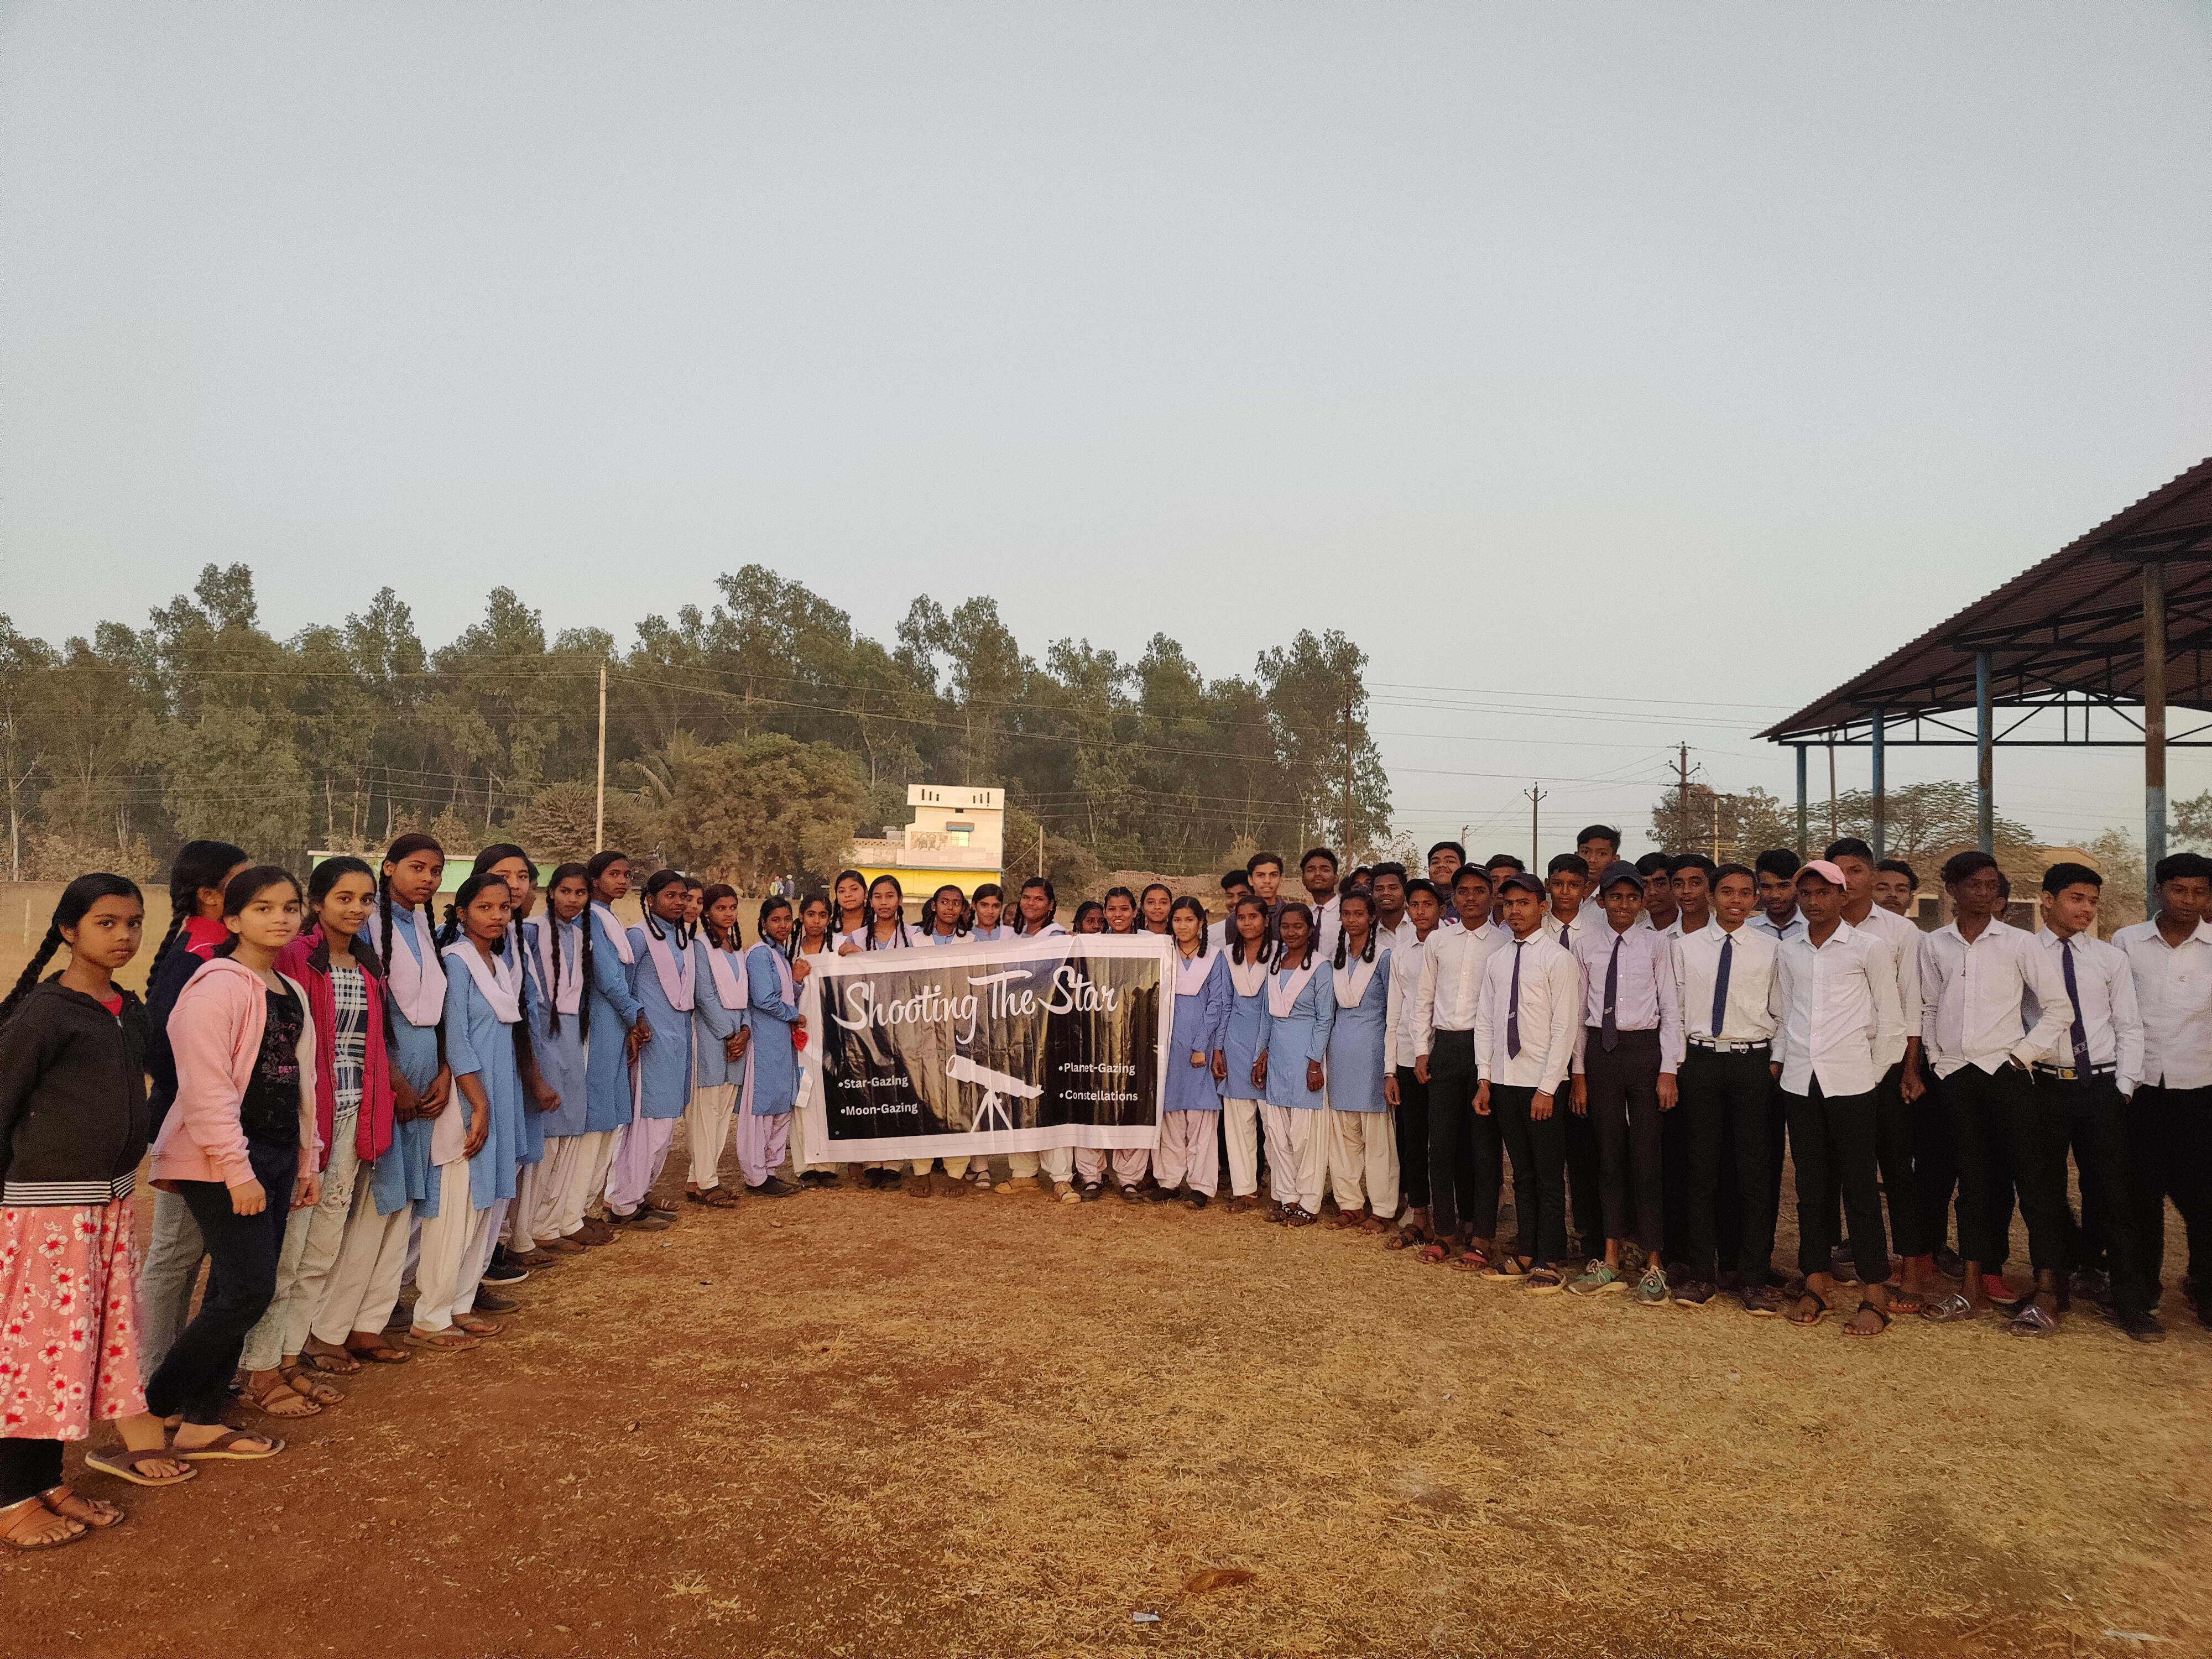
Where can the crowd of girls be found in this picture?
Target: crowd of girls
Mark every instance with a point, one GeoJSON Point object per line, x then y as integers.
{"type": "Point", "coordinates": [345, 1092]}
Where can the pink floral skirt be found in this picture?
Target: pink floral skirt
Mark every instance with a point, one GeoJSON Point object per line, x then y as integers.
{"type": "Point", "coordinates": [69, 1320]}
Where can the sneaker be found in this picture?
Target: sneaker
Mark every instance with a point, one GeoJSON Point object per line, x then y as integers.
{"type": "Point", "coordinates": [2142, 1326]}
{"type": "Point", "coordinates": [504, 1269]}
{"type": "Point", "coordinates": [491, 1302]}
{"type": "Point", "coordinates": [773, 1186]}
{"type": "Point", "coordinates": [1196, 1200]}
{"type": "Point", "coordinates": [1693, 1293]}
{"type": "Point", "coordinates": [1598, 1277]}
{"type": "Point", "coordinates": [1761, 1301]}
{"type": "Point", "coordinates": [1651, 1288]}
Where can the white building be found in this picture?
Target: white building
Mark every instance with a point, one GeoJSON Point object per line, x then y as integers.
{"type": "Point", "coordinates": [958, 835]}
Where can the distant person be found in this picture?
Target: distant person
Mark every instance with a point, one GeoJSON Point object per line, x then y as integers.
{"type": "Point", "coordinates": [1190, 1112]}
{"type": "Point", "coordinates": [1243, 1034]}
{"type": "Point", "coordinates": [1776, 915]}
{"type": "Point", "coordinates": [1894, 885]}
{"type": "Point", "coordinates": [1363, 1142]}
{"type": "Point", "coordinates": [1466, 1154]}
{"type": "Point", "coordinates": [1660, 910]}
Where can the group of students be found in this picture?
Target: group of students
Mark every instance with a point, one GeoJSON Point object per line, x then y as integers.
{"type": "Point", "coordinates": [348, 1093]}
{"type": "Point", "coordinates": [343, 1092]}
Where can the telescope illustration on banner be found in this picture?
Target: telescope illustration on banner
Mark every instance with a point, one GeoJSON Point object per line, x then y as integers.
{"type": "Point", "coordinates": [962, 1069]}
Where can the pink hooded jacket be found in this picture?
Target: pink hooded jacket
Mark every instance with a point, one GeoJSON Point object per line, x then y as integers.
{"type": "Point", "coordinates": [214, 1031]}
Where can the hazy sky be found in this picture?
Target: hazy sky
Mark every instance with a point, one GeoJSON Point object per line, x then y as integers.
{"type": "Point", "coordinates": [1632, 372]}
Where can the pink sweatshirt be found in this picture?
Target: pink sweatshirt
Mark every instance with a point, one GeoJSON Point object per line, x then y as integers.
{"type": "Point", "coordinates": [214, 1031]}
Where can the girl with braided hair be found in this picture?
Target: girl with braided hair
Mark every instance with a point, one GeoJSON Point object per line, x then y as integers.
{"type": "Point", "coordinates": [516, 1253]}
{"type": "Point", "coordinates": [556, 954]}
{"type": "Point", "coordinates": [402, 937]}
{"type": "Point", "coordinates": [666, 992]}
{"type": "Point", "coordinates": [1362, 1153]}
{"type": "Point", "coordinates": [202, 869]}
{"type": "Point", "coordinates": [72, 1129]}
{"type": "Point", "coordinates": [615, 1014]}
{"type": "Point", "coordinates": [718, 1034]}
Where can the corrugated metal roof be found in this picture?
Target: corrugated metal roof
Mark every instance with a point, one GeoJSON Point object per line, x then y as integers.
{"type": "Point", "coordinates": [2073, 622]}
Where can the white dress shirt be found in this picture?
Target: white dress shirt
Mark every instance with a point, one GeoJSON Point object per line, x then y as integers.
{"type": "Point", "coordinates": [1550, 1013]}
{"type": "Point", "coordinates": [1902, 937]}
{"type": "Point", "coordinates": [1451, 981]}
{"type": "Point", "coordinates": [1327, 925]}
{"type": "Point", "coordinates": [1405, 943]}
{"type": "Point", "coordinates": [2105, 1007]}
{"type": "Point", "coordinates": [1793, 928]}
{"type": "Point", "coordinates": [1389, 938]}
{"type": "Point", "coordinates": [2173, 992]}
{"type": "Point", "coordinates": [1589, 917]}
{"type": "Point", "coordinates": [1839, 1022]}
{"type": "Point", "coordinates": [1974, 995]}
{"type": "Point", "coordinates": [1752, 988]}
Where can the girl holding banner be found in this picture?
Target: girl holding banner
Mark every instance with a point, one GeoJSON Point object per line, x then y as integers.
{"type": "Point", "coordinates": [771, 1063]}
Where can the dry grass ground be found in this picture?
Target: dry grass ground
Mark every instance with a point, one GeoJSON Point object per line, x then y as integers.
{"type": "Point", "coordinates": [858, 1423]}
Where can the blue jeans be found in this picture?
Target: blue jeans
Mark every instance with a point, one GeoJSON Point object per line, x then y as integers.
{"type": "Point", "coordinates": [165, 1283]}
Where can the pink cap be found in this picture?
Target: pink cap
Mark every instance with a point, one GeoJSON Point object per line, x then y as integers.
{"type": "Point", "coordinates": [1822, 868]}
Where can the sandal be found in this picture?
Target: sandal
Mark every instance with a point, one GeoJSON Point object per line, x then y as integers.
{"type": "Point", "coordinates": [280, 1399]}
{"type": "Point", "coordinates": [126, 1465]}
{"type": "Point", "coordinates": [336, 1364]}
{"type": "Point", "coordinates": [477, 1324]}
{"type": "Point", "coordinates": [224, 1448]}
{"type": "Point", "coordinates": [1506, 1268]}
{"type": "Point", "coordinates": [1882, 1313]}
{"type": "Point", "coordinates": [450, 1339]}
{"type": "Point", "coordinates": [377, 1352]}
{"type": "Point", "coordinates": [100, 1513]}
{"type": "Point", "coordinates": [1474, 1260]}
{"type": "Point", "coordinates": [1405, 1238]}
{"type": "Point", "coordinates": [2032, 1321]}
{"type": "Point", "coordinates": [303, 1381]}
{"type": "Point", "coordinates": [1542, 1281]}
{"type": "Point", "coordinates": [1432, 1251]}
{"type": "Point", "coordinates": [1819, 1303]}
{"type": "Point", "coordinates": [1373, 1224]}
{"type": "Point", "coordinates": [75, 1532]}
{"type": "Point", "coordinates": [1952, 1310]}
{"type": "Point", "coordinates": [1902, 1301]}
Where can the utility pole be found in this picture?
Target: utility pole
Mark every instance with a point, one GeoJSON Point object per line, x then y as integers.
{"type": "Point", "coordinates": [1536, 794]}
{"type": "Point", "coordinates": [1683, 771]}
{"type": "Point", "coordinates": [599, 815]}
{"type": "Point", "coordinates": [1832, 831]}
{"type": "Point", "coordinates": [1344, 851]}
{"type": "Point", "coordinates": [1716, 828]}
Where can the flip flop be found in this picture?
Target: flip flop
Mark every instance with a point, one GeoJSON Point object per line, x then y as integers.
{"type": "Point", "coordinates": [450, 1339]}
{"type": "Point", "coordinates": [124, 1465]}
{"type": "Point", "coordinates": [1815, 1298]}
{"type": "Point", "coordinates": [322, 1392]}
{"type": "Point", "coordinates": [1882, 1313]}
{"type": "Point", "coordinates": [378, 1353]}
{"type": "Point", "coordinates": [224, 1449]}
{"type": "Point", "coordinates": [330, 1363]}
{"type": "Point", "coordinates": [1952, 1310]}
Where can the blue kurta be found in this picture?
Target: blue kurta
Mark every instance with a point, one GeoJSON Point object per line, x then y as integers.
{"type": "Point", "coordinates": [1355, 1044]}
{"type": "Point", "coordinates": [561, 1060]}
{"type": "Point", "coordinates": [1198, 1023]}
{"type": "Point", "coordinates": [1299, 1036]}
{"type": "Point", "coordinates": [403, 1175]}
{"type": "Point", "coordinates": [614, 1010]}
{"type": "Point", "coordinates": [713, 1024]}
{"type": "Point", "coordinates": [772, 1058]}
{"type": "Point", "coordinates": [477, 1040]}
{"type": "Point", "coordinates": [665, 1063]}
{"type": "Point", "coordinates": [1244, 1032]}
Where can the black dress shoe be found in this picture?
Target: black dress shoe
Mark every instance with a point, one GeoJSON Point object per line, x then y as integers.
{"type": "Point", "coordinates": [492, 1301]}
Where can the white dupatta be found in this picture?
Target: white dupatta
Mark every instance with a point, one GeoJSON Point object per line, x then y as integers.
{"type": "Point", "coordinates": [674, 972]}
{"type": "Point", "coordinates": [499, 979]}
{"type": "Point", "coordinates": [722, 965]}
{"type": "Point", "coordinates": [616, 932]}
{"type": "Point", "coordinates": [418, 979]}
{"type": "Point", "coordinates": [1191, 974]}
{"type": "Point", "coordinates": [1284, 990]}
{"type": "Point", "coordinates": [1246, 977]}
{"type": "Point", "coordinates": [1352, 980]}
{"type": "Point", "coordinates": [570, 997]}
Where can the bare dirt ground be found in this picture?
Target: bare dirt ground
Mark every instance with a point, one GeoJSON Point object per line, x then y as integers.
{"type": "Point", "coordinates": [859, 1424]}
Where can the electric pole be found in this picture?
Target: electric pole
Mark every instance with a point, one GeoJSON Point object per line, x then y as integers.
{"type": "Point", "coordinates": [1344, 851]}
{"type": "Point", "coordinates": [1683, 773]}
{"type": "Point", "coordinates": [599, 813]}
{"type": "Point", "coordinates": [1536, 794]}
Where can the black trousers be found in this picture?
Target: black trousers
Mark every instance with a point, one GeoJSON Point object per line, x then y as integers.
{"type": "Point", "coordinates": [2086, 1114]}
{"type": "Point", "coordinates": [2170, 1144]}
{"type": "Point", "coordinates": [1674, 1181]}
{"type": "Point", "coordinates": [1413, 1138]}
{"type": "Point", "coordinates": [1585, 1191]}
{"type": "Point", "coordinates": [1466, 1156]}
{"type": "Point", "coordinates": [1832, 1137]}
{"type": "Point", "coordinates": [1985, 1112]}
{"type": "Point", "coordinates": [1726, 1111]}
{"type": "Point", "coordinates": [28, 1467]}
{"type": "Point", "coordinates": [2089, 1239]}
{"type": "Point", "coordinates": [1624, 1111]}
{"type": "Point", "coordinates": [1895, 1149]}
{"type": "Point", "coordinates": [195, 1378]}
{"type": "Point", "coordinates": [1934, 1172]}
{"type": "Point", "coordinates": [1539, 1150]}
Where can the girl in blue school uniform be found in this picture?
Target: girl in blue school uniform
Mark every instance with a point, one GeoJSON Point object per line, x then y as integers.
{"type": "Point", "coordinates": [610, 1100]}
{"type": "Point", "coordinates": [1300, 1008]}
{"type": "Point", "coordinates": [517, 1254]}
{"type": "Point", "coordinates": [664, 981]}
{"type": "Point", "coordinates": [555, 955]}
{"type": "Point", "coordinates": [1244, 963]}
{"type": "Point", "coordinates": [1363, 1143]}
{"type": "Point", "coordinates": [1190, 1114]}
{"type": "Point", "coordinates": [718, 1026]}
{"type": "Point", "coordinates": [478, 1142]}
{"type": "Point", "coordinates": [773, 977]}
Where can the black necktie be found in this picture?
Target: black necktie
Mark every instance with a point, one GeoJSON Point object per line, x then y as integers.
{"type": "Point", "coordinates": [2080, 1032]}
{"type": "Point", "coordinates": [1720, 990]}
{"type": "Point", "coordinates": [1513, 1008]}
{"type": "Point", "coordinates": [1609, 1029]}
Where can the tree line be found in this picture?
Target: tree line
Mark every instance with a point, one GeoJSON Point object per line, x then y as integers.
{"type": "Point", "coordinates": [754, 737]}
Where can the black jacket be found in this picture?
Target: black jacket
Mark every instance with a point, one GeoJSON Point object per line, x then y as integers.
{"type": "Point", "coordinates": [73, 1121]}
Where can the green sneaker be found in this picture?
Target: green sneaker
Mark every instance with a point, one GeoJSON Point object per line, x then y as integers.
{"type": "Point", "coordinates": [1597, 1277]}
{"type": "Point", "coordinates": [1651, 1291]}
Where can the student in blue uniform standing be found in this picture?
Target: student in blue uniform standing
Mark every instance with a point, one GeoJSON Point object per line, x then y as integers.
{"type": "Point", "coordinates": [1244, 965]}
{"type": "Point", "coordinates": [771, 1063]}
{"type": "Point", "coordinates": [718, 1038]}
{"type": "Point", "coordinates": [554, 956]}
{"type": "Point", "coordinates": [1301, 1007]}
{"type": "Point", "coordinates": [609, 1101]}
{"type": "Point", "coordinates": [665, 984]}
{"type": "Point", "coordinates": [1190, 1114]}
{"type": "Point", "coordinates": [1362, 1136]}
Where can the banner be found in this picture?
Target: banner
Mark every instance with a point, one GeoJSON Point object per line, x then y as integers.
{"type": "Point", "coordinates": [952, 1050]}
